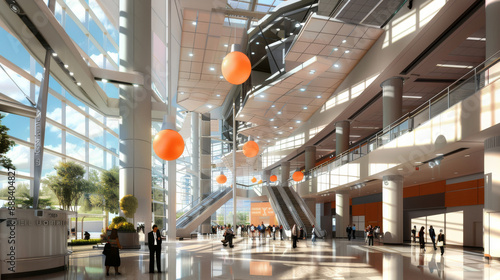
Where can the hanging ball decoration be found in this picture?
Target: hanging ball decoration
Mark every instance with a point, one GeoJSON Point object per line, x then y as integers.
{"type": "Point", "coordinates": [250, 149]}
{"type": "Point", "coordinates": [168, 144]}
{"type": "Point", "coordinates": [297, 176]}
{"type": "Point", "coordinates": [254, 180]}
{"type": "Point", "coordinates": [221, 179]}
{"type": "Point", "coordinates": [260, 182]}
{"type": "Point", "coordinates": [236, 68]}
{"type": "Point", "coordinates": [273, 178]}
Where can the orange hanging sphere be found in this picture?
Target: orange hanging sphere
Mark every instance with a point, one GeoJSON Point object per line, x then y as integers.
{"type": "Point", "coordinates": [168, 144]}
{"type": "Point", "coordinates": [253, 180]}
{"type": "Point", "coordinates": [260, 182]}
{"type": "Point", "coordinates": [221, 179]}
{"type": "Point", "coordinates": [250, 149]}
{"type": "Point", "coordinates": [236, 68]}
{"type": "Point", "coordinates": [297, 176]}
{"type": "Point", "coordinates": [273, 178]}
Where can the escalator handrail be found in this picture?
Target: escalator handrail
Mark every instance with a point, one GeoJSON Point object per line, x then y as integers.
{"type": "Point", "coordinates": [291, 208]}
{"type": "Point", "coordinates": [202, 203]}
{"type": "Point", "coordinates": [275, 205]}
{"type": "Point", "coordinates": [307, 212]}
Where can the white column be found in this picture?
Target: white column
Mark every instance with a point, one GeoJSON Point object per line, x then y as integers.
{"type": "Point", "coordinates": [491, 211]}
{"type": "Point", "coordinates": [392, 209]}
{"type": "Point", "coordinates": [342, 130]}
{"type": "Point", "coordinates": [205, 166]}
{"type": "Point", "coordinates": [135, 107]}
{"type": "Point", "coordinates": [392, 267]}
{"type": "Point", "coordinates": [195, 138]}
{"type": "Point", "coordinates": [492, 36]}
{"type": "Point", "coordinates": [342, 213]}
{"type": "Point", "coordinates": [285, 173]}
{"type": "Point", "coordinates": [392, 100]}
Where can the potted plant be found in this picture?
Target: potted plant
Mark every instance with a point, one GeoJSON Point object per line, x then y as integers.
{"type": "Point", "coordinates": [129, 238]}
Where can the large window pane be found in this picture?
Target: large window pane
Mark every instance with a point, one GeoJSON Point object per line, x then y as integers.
{"type": "Point", "coordinates": [75, 120]}
{"type": "Point", "coordinates": [112, 142]}
{"type": "Point", "coordinates": [54, 111]}
{"type": "Point", "coordinates": [96, 132]}
{"type": "Point", "coordinates": [96, 156]}
{"type": "Point", "coordinates": [75, 147]}
{"type": "Point", "coordinates": [53, 138]}
{"type": "Point", "coordinates": [19, 127]}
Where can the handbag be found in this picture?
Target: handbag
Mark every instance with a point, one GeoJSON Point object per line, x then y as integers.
{"type": "Point", "coordinates": [440, 244]}
{"type": "Point", "coordinates": [107, 248]}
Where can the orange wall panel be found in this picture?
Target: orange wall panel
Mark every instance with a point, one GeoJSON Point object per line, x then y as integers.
{"type": "Point", "coordinates": [358, 210]}
{"type": "Point", "coordinates": [480, 183]}
{"type": "Point", "coordinates": [461, 198]}
{"type": "Point", "coordinates": [480, 195]}
{"type": "Point", "coordinates": [462, 186]}
{"type": "Point", "coordinates": [333, 204]}
{"type": "Point", "coordinates": [411, 191]}
{"type": "Point", "coordinates": [432, 188]}
{"type": "Point", "coordinates": [373, 214]}
{"type": "Point", "coordinates": [262, 212]}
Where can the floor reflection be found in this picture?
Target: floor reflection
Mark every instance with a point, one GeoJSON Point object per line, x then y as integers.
{"type": "Point", "coordinates": [206, 258]}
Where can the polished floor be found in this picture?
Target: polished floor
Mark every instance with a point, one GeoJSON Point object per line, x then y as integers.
{"type": "Point", "coordinates": [206, 258]}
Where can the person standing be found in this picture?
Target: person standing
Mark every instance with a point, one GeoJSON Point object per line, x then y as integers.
{"type": "Point", "coordinates": [113, 256]}
{"type": "Point", "coordinates": [301, 233]}
{"type": "Point", "coordinates": [414, 233]}
{"type": "Point", "coordinates": [441, 241]}
{"type": "Point", "coordinates": [421, 238]}
{"type": "Point", "coordinates": [281, 232]}
{"type": "Point", "coordinates": [295, 235]}
{"type": "Point", "coordinates": [154, 244]}
{"type": "Point", "coordinates": [432, 235]}
{"type": "Point", "coordinates": [349, 231]}
{"type": "Point", "coordinates": [228, 236]}
{"type": "Point", "coordinates": [313, 234]}
{"type": "Point", "coordinates": [370, 235]}
{"type": "Point", "coordinates": [353, 231]}
{"type": "Point", "coordinates": [274, 232]}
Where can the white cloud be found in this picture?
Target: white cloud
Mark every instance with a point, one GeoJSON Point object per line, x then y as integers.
{"type": "Point", "coordinates": [9, 87]}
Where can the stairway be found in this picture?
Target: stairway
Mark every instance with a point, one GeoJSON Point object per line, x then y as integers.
{"type": "Point", "coordinates": [302, 215]}
{"type": "Point", "coordinates": [283, 206]}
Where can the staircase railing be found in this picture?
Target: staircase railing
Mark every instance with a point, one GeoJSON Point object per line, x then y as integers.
{"type": "Point", "coordinates": [308, 213]}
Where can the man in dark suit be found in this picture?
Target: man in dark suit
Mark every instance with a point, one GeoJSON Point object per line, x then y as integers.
{"type": "Point", "coordinates": [154, 243]}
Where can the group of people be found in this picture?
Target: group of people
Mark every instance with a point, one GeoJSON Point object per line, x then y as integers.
{"type": "Point", "coordinates": [299, 233]}
{"type": "Point", "coordinates": [371, 234]}
{"type": "Point", "coordinates": [251, 230]}
{"type": "Point", "coordinates": [432, 234]}
{"type": "Point", "coordinates": [112, 253]}
{"type": "Point", "coordinates": [351, 231]}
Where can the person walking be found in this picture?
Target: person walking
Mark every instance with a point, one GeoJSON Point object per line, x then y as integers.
{"type": "Point", "coordinates": [369, 232]}
{"type": "Point", "coordinates": [441, 241]}
{"type": "Point", "coordinates": [113, 256]}
{"type": "Point", "coordinates": [349, 231]}
{"type": "Point", "coordinates": [274, 232]}
{"type": "Point", "coordinates": [281, 232]}
{"type": "Point", "coordinates": [295, 235]}
{"type": "Point", "coordinates": [228, 236]}
{"type": "Point", "coordinates": [154, 244]}
{"type": "Point", "coordinates": [421, 238]}
{"type": "Point", "coordinates": [313, 235]}
{"type": "Point", "coordinates": [353, 231]}
{"type": "Point", "coordinates": [432, 235]}
{"type": "Point", "coordinates": [414, 233]}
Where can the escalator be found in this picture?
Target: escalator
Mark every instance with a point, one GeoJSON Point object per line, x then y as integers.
{"type": "Point", "coordinates": [282, 204]}
{"type": "Point", "coordinates": [302, 215]}
{"type": "Point", "coordinates": [190, 220]}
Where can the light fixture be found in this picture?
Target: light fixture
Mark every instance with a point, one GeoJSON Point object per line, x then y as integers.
{"type": "Point", "coordinates": [262, 95]}
{"type": "Point", "coordinates": [135, 85]}
{"type": "Point", "coordinates": [226, 45]}
{"type": "Point", "coordinates": [102, 80]}
{"type": "Point", "coordinates": [335, 49]}
{"type": "Point", "coordinates": [66, 66]}
{"type": "Point", "coordinates": [242, 115]}
{"type": "Point", "coordinates": [343, 41]}
{"type": "Point", "coordinates": [439, 154]}
{"type": "Point", "coordinates": [257, 43]}
{"type": "Point", "coordinates": [209, 106]}
{"type": "Point", "coordinates": [302, 89]}
{"type": "Point", "coordinates": [319, 96]}
{"type": "Point", "coordinates": [275, 138]}
{"type": "Point", "coordinates": [221, 77]}
{"type": "Point", "coordinates": [182, 92]}
{"type": "Point", "coordinates": [347, 51]}
{"type": "Point", "coordinates": [277, 29]}
{"type": "Point", "coordinates": [78, 84]}
{"type": "Point", "coordinates": [305, 107]}
{"type": "Point", "coordinates": [312, 72]}
{"type": "Point", "coordinates": [253, 53]}
{"type": "Point", "coordinates": [218, 95]}
{"type": "Point", "coordinates": [291, 127]}
{"type": "Point", "coordinates": [336, 65]}
{"type": "Point", "coordinates": [412, 96]}
{"type": "Point", "coordinates": [280, 132]}
{"type": "Point", "coordinates": [54, 54]}
{"type": "Point", "coordinates": [275, 127]}
{"type": "Point", "coordinates": [272, 120]}
{"type": "Point", "coordinates": [212, 69]}
{"type": "Point", "coordinates": [466, 155]}
{"type": "Point", "coordinates": [279, 113]}
{"type": "Point", "coordinates": [297, 121]}
{"type": "Point", "coordinates": [191, 54]}
{"type": "Point", "coordinates": [454, 66]}
{"type": "Point", "coordinates": [272, 106]}
{"type": "Point", "coordinates": [297, 25]}
{"type": "Point", "coordinates": [71, 73]}
{"type": "Point", "coordinates": [291, 34]}
{"type": "Point", "coordinates": [194, 22]}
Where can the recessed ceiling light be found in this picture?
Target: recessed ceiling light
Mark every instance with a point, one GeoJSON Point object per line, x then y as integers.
{"type": "Point", "coordinates": [275, 127]}
{"type": "Point", "coordinates": [135, 85]}
{"type": "Point", "coordinates": [400, 169]}
{"type": "Point", "coordinates": [312, 72]}
{"type": "Point", "coordinates": [275, 138]}
{"type": "Point", "coordinates": [302, 89]}
{"type": "Point", "coordinates": [297, 121]}
{"type": "Point", "coordinates": [212, 69]}
{"type": "Point", "coordinates": [335, 49]}
{"type": "Point", "coordinates": [191, 54]}
{"type": "Point", "coordinates": [78, 84]}
{"type": "Point", "coordinates": [194, 22]}
{"type": "Point", "coordinates": [71, 73]}
{"type": "Point", "coordinates": [343, 41]}
{"type": "Point", "coordinates": [336, 65]}
{"type": "Point", "coordinates": [257, 43]}
{"type": "Point", "coordinates": [319, 96]}
{"type": "Point", "coordinates": [226, 45]}
{"type": "Point", "coordinates": [182, 92]}
{"type": "Point", "coordinates": [305, 107]}
{"type": "Point", "coordinates": [454, 66]}
{"type": "Point", "coordinates": [209, 106]}
{"type": "Point", "coordinates": [277, 29]}
{"type": "Point", "coordinates": [280, 132]}
{"type": "Point", "coordinates": [476, 39]}
{"type": "Point", "coordinates": [102, 80]}
{"type": "Point", "coordinates": [439, 154]}
{"type": "Point", "coordinates": [466, 155]}
{"type": "Point", "coordinates": [258, 136]}
{"type": "Point", "coordinates": [242, 115]}
{"type": "Point", "coordinates": [279, 113]}
{"type": "Point", "coordinates": [291, 127]}
{"type": "Point", "coordinates": [218, 95]}
{"type": "Point", "coordinates": [262, 95]}
{"type": "Point", "coordinates": [418, 162]}
{"type": "Point", "coordinates": [221, 77]}
{"type": "Point", "coordinates": [54, 54]}
{"type": "Point", "coordinates": [291, 34]}
{"type": "Point", "coordinates": [347, 51]}
{"type": "Point", "coordinates": [66, 66]}
{"type": "Point", "coordinates": [272, 106]}
{"type": "Point", "coordinates": [297, 25]}
{"type": "Point", "coordinates": [253, 53]}
{"type": "Point", "coordinates": [271, 120]}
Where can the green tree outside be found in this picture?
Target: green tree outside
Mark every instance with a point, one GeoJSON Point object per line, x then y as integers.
{"type": "Point", "coordinates": [5, 145]}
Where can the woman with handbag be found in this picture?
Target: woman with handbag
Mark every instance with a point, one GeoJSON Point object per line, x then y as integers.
{"type": "Point", "coordinates": [441, 241]}
{"type": "Point", "coordinates": [113, 254]}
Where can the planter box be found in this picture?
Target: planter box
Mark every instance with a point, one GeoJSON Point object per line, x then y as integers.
{"type": "Point", "coordinates": [128, 240]}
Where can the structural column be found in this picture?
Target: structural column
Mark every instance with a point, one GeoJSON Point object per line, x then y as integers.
{"type": "Point", "coordinates": [392, 209]}
{"type": "Point", "coordinates": [342, 130]}
{"type": "Point", "coordinates": [285, 173]}
{"type": "Point", "coordinates": [135, 107]}
{"type": "Point", "coordinates": [492, 35]}
{"type": "Point", "coordinates": [195, 139]}
{"type": "Point", "coordinates": [392, 100]}
{"type": "Point", "coordinates": [205, 166]}
{"type": "Point", "coordinates": [310, 155]}
{"type": "Point", "coordinates": [310, 184]}
{"type": "Point", "coordinates": [491, 210]}
{"type": "Point", "coordinates": [342, 212]}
